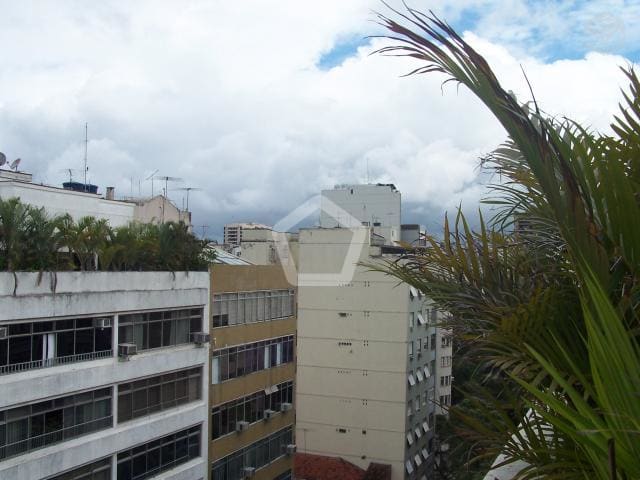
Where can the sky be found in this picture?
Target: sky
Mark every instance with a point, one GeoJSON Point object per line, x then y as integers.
{"type": "Point", "coordinates": [260, 105]}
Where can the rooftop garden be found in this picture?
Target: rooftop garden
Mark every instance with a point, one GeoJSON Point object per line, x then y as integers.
{"type": "Point", "coordinates": [32, 240]}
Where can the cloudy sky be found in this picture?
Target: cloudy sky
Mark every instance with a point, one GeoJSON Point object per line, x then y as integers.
{"type": "Point", "coordinates": [262, 104]}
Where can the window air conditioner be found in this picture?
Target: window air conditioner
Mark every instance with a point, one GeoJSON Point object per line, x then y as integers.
{"type": "Point", "coordinates": [4, 332]}
{"type": "Point", "coordinates": [268, 414]}
{"type": "Point", "coordinates": [125, 350]}
{"type": "Point", "coordinates": [102, 322]}
{"type": "Point", "coordinates": [285, 407]}
{"type": "Point", "coordinates": [290, 449]}
{"type": "Point", "coordinates": [241, 426]}
{"type": "Point", "coordinates": [200, 338]}
{"type": "Point", "coordinates": [248, 472]}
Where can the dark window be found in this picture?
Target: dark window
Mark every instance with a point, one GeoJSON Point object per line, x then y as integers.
{"type": "Point", "coordinates": [41, 424]}
{"type": "Point", "coordinates": [251, 307]}
{"type": "Point", "coordinates": [249, 408]}
{"type": "Point", "coordinates": [159, 329]}
{"type": "Point", "coordinates": [256, 455]}
{"type": "Point", "coordinates": [235, 362]}
{"type": "Point", "coordinates": [49, 343]}
{"type": "Point", "coordinates": [142, 397]}
{"type": "Point", "coordinates": [150, 459]}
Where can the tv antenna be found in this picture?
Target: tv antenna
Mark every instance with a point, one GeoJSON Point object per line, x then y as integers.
{"type": "Point", "coordinates": [166, 190]}
{"type": "Point", "coordinates": [3, 159]}
{"type": "Point", "coordinates": [86, 148]}
{"type": "Point", "coordinates": [188, 189]}
{"type": "Point", "coordinates": [15, 163]}
{"type": "Point", "coordinates": [70, 172]}
{"type": "Point", "coordinates": [150, 177]}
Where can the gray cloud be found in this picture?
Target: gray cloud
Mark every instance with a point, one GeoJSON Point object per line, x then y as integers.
{"type": "Point", "coordinates": [228, 97]}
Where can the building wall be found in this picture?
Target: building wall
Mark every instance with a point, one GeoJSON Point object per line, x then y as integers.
{"type": "Point", "coordinates": [353, 358]}
{"type": "Point", "coordinates": [157, 210]}
{"type": "Point", "coordinates": [367, 203]}
{"type": "Point", "coordinates": [58, 201]}
{"type": "Point", "coordinates": [76, 294]}
{"type": "Point", "coordinates": [247, 278]}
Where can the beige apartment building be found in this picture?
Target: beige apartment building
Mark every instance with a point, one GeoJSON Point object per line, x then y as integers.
{"type": "Point", "coordinates": [251, 397]}
{"type": "Point", "coordinates": [367, 360]}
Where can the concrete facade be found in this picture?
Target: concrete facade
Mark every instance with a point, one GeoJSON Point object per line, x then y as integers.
{"type": "Point", "coordinates": [64, 295]}
{"type": "Point", "coordinates": [365, 205]}
{"type": "Point", "coordinates": [246, 280]}
{"type": "Point", "coordinates": [366, 351]}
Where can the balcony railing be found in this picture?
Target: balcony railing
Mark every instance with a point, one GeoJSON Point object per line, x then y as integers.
{"type": "Point", "coordinates": [42, 441]}
{"type": "Point", "coordinates": [53, 362]}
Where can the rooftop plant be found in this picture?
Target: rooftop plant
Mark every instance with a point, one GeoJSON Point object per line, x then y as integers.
{"type": "Point", "coordinates": [543, 298]}
{"type": "Point", "coordinates": [30, 239]}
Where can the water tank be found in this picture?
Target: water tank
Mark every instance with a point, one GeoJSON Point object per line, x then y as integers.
{"type": "Point", "coordinates": [80, 187]}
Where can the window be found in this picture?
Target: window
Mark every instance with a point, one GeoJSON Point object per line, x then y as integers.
{"type": "Point", "coordinates": [54, 342]}
{"type": "Point", "coordinates": [410, 344]}
{"type": "Point", "coordinates": [416, 404]}
{"type": "Point", "coordinates": [419, 375]}
{"type": "Point", "coordinates": [41, 424]}
{"type": "Point", "coordinates": [445, 361]}
{"type": "Point", "coordinates": [148, 460]}
{"type": "Point", "coordinates": [411, 320]}
{"type": "Point", "coordinates": [249, 408]}
{"type": "Point", "coordinates": [432, 366]}
{"type": "Point", "coordinates": [158, 329]}
{"type": "Point", "coordinates": [256, 455]}
{"type": "Point", "coordinates": [153, 394]}
{"type": "Point", "coordinates": [421, 319]}
{"type": "Point", "coordinates": [411, 379]}
{"type": "Point", "coordinates": [233, 362]}
{"type": "Point", "coordinates": [419, 345]}
{"type": "Point", "coordinates": [445, 341]}
{"type": "Point", "coordinates": [100, 470]}
{"type": "Point", "coordinates": [250, 307]}
{"type": "Point", "coordinates": [433, 341]}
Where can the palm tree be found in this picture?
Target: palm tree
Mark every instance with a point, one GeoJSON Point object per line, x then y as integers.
{"type": "Point", "coordinates": [13, 218]}
{"type": "Point", "coordinates": [545, 296]}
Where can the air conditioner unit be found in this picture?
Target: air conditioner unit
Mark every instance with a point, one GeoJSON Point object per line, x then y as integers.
{"type": "Point", "coordinates": [200, 338]}
{"type": "Point", "coordinates": [102, 322]}
{"type": "Point", "coordinates": [241, 426]}
{"type": "Point", "coordinates": [285, 407]}
{"type": "Point", "coordinates": [125, 350]}
{"type": "Point", "coordinates": [290, 449]}
{"type": "Point", "coordinates": [4, 332]}
{"type": "Point", "coordinates": [268, 414]}
{"type": "Point", "coordinates": [248, 472]}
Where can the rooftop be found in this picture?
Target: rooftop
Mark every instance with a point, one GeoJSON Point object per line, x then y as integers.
{"type": "Point", "coordinates": [319, 467]}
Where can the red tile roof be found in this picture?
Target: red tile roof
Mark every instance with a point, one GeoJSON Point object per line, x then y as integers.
{"type": "Point", "coordinates": [319, 467]}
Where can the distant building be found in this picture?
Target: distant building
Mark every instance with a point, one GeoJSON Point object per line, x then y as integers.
{"type": "Point", "coordinates": [261, 247]}
{"type": "Point", "coordinates": [253, 342]}
{"type": "Point", "coordinates": [77, 202]}
{"type": "Point", "coordinates": [370, 354]}
{"type": "Point", "coordinates": [234, 232]}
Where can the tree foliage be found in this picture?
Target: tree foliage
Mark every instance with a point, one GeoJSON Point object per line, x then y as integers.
{"type": "Point", "coordinates": [31, 240]}
{"type": "Point", "coordinates": [543, 296]}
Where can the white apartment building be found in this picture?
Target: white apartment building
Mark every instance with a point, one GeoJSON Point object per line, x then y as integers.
{"type": "Point", "coordinates": [59, 201]}
{"type": "Point", "coordinates": [104, 375]}
{"type": "Point", "coordinates": [367, 364]}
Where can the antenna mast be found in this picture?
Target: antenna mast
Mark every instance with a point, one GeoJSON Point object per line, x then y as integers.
{"type": "Point", "coordinates": [86, 144]}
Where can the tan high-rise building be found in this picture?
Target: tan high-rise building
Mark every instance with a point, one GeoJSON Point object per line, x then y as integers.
{"type": "Point", "coordinates": [251, 398]}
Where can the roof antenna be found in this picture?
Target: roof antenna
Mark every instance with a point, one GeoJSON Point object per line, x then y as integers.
{"type": "Point", "coordinates": [86, 144]}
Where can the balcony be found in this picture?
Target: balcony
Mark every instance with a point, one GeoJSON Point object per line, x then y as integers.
{"type": "Point", "coordinates": [54, 362]}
